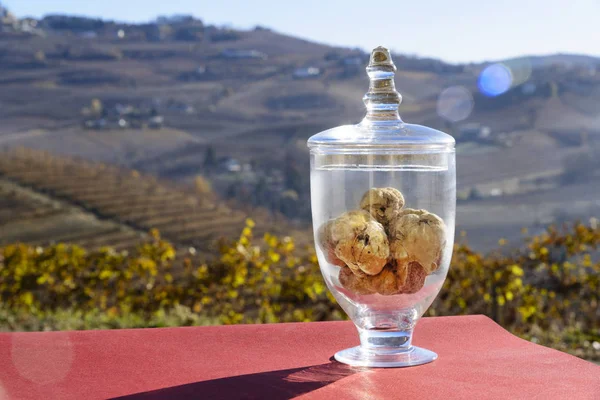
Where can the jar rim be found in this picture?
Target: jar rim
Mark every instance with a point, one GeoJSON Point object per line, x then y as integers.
{"type": "Point", "coordinates": [398, 137]}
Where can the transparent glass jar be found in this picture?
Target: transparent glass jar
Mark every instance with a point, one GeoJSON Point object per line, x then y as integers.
{"type": "Point", "coordinates": [383, 206]}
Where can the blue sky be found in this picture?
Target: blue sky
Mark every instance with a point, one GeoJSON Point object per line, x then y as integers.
{"type": "Point", "coordinates": [455, 31]}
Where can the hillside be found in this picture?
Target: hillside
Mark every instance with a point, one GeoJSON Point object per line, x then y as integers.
{"type": "Point", "coordinates": [33, 217]}
{"type": "Point", "coordinates": [49, 199]}
{"type": "Point", "coordinates": [177, 98]}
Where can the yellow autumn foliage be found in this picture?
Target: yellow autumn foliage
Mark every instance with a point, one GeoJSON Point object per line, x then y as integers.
{"type": "Point", "coordinates": [546, 291]}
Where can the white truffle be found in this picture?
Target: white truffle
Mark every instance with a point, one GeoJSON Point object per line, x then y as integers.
{"type": "Point", "coordinates": [384, 204]}
{"type": "Point", "coordinates": [360, 241]}
{"type": "Point", "coordinates": [355, 281]}
{"type": "Point", "coordinates": [327, 245]}
{"type": "Point", "coordinates": [417, 236]}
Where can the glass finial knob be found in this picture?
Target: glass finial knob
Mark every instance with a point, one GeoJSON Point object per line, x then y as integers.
{"type": "Point", "coordinates": [382, 99]}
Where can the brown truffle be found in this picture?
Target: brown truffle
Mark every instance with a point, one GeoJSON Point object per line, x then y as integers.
{"type": "Point", "coordinates": [356, 282]}
{"type": "Point", "coordinates": [385, 282]}
{"type": "Point", "coordinates": [417, 235]}
{"type": "Point", "coordinates": [360, 242]}
{"type": "Point", "coordinates": [327, 245]}
{"type": "Point", "coordinates": [415, 279]}
{"type": "Point", "coordinates": [384, 204]}
{"type": "Point", "coordinates": [393, 279]}
{"type": "Point", "coordinates": [401, 270]}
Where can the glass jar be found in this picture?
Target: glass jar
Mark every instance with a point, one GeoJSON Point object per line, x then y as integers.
{"type": "Point", "coordinates": [383, 206]}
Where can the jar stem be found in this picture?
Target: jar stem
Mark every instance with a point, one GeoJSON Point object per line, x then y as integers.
{"type": "Point", "coordinates": [381, 342]}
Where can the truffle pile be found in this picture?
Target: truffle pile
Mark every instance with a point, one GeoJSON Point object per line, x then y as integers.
{"type": "Point", "coordinates": [383, 247]}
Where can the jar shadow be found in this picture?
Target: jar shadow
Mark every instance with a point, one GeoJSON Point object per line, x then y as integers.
{"type": "Point", "coordinates": [277, 385]}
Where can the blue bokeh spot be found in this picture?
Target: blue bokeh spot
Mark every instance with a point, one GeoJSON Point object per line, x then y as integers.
{"type": "Point", "coordinates": [494, 80]}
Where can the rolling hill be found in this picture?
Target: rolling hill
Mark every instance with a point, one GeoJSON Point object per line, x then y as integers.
{"type": "Point", "coordinates": [159, 97]}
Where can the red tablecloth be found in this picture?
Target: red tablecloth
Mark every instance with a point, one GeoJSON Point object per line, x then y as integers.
{"type": "Point", "coordinates": [477, 360]}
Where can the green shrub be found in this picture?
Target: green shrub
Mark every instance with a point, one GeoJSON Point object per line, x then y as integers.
{"type": "Point", "coordinates": [547, 291]}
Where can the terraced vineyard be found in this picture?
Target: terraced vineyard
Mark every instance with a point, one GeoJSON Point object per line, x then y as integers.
{"type": "Point", "coordinates": [134, 202]}
{"type": "Point", "coordinates": [33, 217]}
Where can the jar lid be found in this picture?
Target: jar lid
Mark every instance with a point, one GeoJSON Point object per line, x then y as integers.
{"type": "Point", "coordinates": [382, 128]}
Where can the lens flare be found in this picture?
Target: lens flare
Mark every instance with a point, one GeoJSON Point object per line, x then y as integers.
{"type": "Point", "coordinates": [520, 70]}
{"type": "Point", "coordinates": [455, 103]}
{"type": "Point", "coordinates": [42, 358]}
{"type": "Point", "coordinates": [3, 394]}
{"type": "Point", "coordinates": [494, 80]}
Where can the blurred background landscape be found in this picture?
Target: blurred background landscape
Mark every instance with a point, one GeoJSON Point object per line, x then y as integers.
{"type": "Point", "coordinates": [111, 132]}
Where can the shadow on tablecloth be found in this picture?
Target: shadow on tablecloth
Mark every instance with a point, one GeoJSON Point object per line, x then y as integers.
{"type": "Point", "coordinates": [275, 385]}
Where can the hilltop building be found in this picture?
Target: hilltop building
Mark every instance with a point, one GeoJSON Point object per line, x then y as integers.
{"type": "Point", "coordinates": [235, 53]}
{"type": "Point", "coordinates": [307, 72]}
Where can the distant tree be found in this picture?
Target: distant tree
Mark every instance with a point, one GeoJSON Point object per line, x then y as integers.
{"type": "Point", "coordinates": [332, 56]}
{"type": "Point", "coordinates": [292, 175]}
{"type": "Point", "coordinates": [222, 35]}
{"type": "Point", "coordinates": [475, 194]}
{"type": "Point", "coordinates": [230, 191]}
{"type": "Point", "coordinates": [189, 33]}
{"type": "Point", "coordinates": [553, 90]}
{"type": "Point", "coordinates": [74, 24]}
{"type": "Point", "coordinates": [210, 158]}
{"type": "Point", "coordinates": [288, 204]}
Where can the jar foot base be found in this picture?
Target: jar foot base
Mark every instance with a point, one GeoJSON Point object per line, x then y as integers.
{"type": "Point", "coordinates": [360, 357]}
